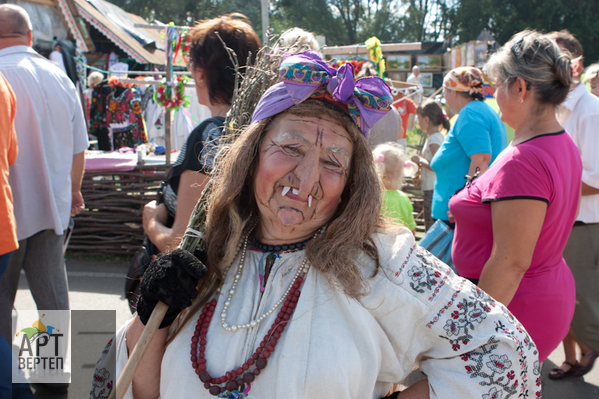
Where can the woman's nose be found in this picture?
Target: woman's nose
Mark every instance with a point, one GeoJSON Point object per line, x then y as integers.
{"type": "Point", "coordinates": [308, 171]}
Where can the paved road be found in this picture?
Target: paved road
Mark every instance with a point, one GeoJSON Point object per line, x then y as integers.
{"type": "Point", "coordinates": [99, 285]}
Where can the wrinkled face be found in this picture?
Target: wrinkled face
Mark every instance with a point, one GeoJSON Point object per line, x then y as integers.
{"type": "Point", "coordinates": [302, 170]}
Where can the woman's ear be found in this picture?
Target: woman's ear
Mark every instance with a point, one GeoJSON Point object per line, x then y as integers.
{"type": "Point", "coordinates": [522, 87]}
{"type": "Point", "coordinates": [198, 74]}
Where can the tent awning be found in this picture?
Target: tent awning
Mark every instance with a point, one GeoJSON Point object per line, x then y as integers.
{"type": "Point", "coordinates": [143, 45]}
{"type": "Point", "coordinates": [73, 28]}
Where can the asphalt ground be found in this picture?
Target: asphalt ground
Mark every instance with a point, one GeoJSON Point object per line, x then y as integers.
{"type": "Point", "coordinates": [99, 285]}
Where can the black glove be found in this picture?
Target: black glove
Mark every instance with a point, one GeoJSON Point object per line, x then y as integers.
{"type": "Point", "coordinates": [170, 278]}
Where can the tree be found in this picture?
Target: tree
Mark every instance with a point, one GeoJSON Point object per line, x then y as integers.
{"type": "Point", "coordinates": [427, 20]}
{"type": "Point", "coordinates": [508, 17]}
{"type": "Point", "coordinates": [340, 21]}
{"type": "Point", "coordinates": [186, 12]}
{"type": "Point", "coordinates": [312, 15]}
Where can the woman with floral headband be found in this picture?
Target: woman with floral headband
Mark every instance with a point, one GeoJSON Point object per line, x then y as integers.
{"type": "Point", "coordinates": [307, 291]}
{"type": "Point", "coordinates": [513, 222]}
{"type": "Point", "coordinates": [474, 141]}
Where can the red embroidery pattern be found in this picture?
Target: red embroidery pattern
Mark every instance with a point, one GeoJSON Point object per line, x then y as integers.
{"type": "Point", "coordinates": [405, 262]}
{"type": "Point", "coordinates": [102, 383]}
{"type": "Point", "coordinates": [427, 273]}
{"type": "Point", "coordinates": [448, 305]}
{"type": "Point", "coordinates": [504, 378]}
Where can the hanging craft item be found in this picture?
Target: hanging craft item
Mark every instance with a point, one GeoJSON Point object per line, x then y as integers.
{"type": "Point", "coordinates": [171, 95]}
{"type": "Point", "coordinates": [357, 64]}
{"type": "Point", "coordinates": [181, 43]}
{"type": "Point", "coordinates": [175, 42]}
{"type": "Point", "coordinates": [376, 54]}
{"type": "Point", "coordinates": [115, 82]}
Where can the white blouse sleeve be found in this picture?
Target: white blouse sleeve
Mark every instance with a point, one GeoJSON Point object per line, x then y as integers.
{"type": "Point", "coordinates": [436, 138]}
{"type": "Point", "coordinates": [468, 345]}
{"type": "Point", "coordinates": [110, 365]}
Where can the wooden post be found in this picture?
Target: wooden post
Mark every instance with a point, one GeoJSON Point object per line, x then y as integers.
{"type": "Point", "coordinates": [362, 49]}
{"type": "Point", "coordinates": [264, 6]}
{"type": "Point", "coordinates": [167, 116]}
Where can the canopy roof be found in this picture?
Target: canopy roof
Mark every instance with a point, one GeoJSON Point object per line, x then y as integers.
{"type": "Point", "coordinates": [143, 45]}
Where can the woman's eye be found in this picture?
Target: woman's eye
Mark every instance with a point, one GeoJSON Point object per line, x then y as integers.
{"type": "Point", "coordinates": [332, 165]}
{"type": "Point", "coordinates": [291, 150]}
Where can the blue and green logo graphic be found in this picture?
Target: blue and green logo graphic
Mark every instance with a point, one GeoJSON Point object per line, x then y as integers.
{"type": "Point", "coordinates": [43, 339]}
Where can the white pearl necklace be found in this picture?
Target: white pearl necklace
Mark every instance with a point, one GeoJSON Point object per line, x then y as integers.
{"type": "Point", "coordinates": [254, 323]}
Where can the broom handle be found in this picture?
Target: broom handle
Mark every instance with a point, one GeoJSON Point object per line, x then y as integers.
{"type": "Point", "coordinates": [138, 352]}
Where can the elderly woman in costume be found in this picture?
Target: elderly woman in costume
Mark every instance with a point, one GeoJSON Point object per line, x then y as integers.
{"type": "Point", "coordinates": [308, 292]}
{"type": "Point", "coordinates": [473, 142]}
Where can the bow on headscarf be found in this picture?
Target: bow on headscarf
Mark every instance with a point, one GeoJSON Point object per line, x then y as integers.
{"type": "Point", "coordinates": [306, 75]}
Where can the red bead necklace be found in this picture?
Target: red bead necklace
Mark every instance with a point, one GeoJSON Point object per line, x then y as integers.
{"type": "Point", "coordinates": [237, 379]}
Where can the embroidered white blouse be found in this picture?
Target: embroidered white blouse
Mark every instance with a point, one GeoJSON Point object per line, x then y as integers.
{"type": "Point", "coordinates": [417, 312]}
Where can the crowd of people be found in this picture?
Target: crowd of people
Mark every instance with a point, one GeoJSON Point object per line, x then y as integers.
{"type": "Point", "coordinates": [311, 282]}
{"type": "Point", "coordinates": [41, 189]}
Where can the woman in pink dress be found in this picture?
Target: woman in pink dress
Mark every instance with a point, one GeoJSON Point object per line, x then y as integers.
{"type": "Point", "coordinates": [513, 222]}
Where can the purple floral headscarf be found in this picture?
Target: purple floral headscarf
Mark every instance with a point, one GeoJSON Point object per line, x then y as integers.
{"type": "Point", "coordinates": [306, 75]}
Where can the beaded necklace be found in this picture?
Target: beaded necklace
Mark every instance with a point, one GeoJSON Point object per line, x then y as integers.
{"type": "Point", "coordinates": [278, 248]}
{"type": "Point", "coordinates": [271, 253]}
{"type": "Point", "coordinates": [238, 381]}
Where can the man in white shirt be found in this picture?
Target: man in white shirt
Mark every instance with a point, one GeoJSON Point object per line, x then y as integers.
{"type": "Point", "coordinates": [415, 79]}
{"type": "Point", "coordinates": [46, 177]}
{"type": "Point", "coordinates": [56, 58]}
{"type": "Point", "coordinates": [579, 115]}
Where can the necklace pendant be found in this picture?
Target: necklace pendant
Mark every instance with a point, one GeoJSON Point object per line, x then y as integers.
{"type": "Point", "coordinates": [233, 395]}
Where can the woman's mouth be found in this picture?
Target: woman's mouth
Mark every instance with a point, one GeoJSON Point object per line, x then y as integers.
{"type": "Point", "coordinates": [293, 193]}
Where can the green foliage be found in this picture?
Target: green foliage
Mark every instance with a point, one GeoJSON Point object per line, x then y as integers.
{"type": "Point", "coordinates": [414, 135]}
{"type": "Point", "coordinates": [340, 21]}
{"type": "Point", "coordinates": [507, 17]}
{"type": "Point", "coordinates": [312, 15]}
{"type": "Point", "coordinates": [186, 12]}
{"type": "Point", "coordinates": [353, 21]}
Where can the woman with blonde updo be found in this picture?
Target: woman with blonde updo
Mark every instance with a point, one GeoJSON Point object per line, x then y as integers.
{"type": "Point", "coordinates": [513, 222]}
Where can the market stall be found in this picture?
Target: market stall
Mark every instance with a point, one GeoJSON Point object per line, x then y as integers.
{"type": "Point", "coordinates": [115, 189]}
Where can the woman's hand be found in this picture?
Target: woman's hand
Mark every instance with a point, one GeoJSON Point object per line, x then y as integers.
{"type": "Point", "coordinates": [191, 185]}
{"type": "Point", "coordinates": [421, 162]}
{"type": "Point", "coordinates": [154, 212]}
{"type": "Point", "coordinates": [172, 279]}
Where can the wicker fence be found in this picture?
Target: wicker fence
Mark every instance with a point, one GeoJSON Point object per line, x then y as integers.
{"type": "Point", "coordinates": [111, 222]}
